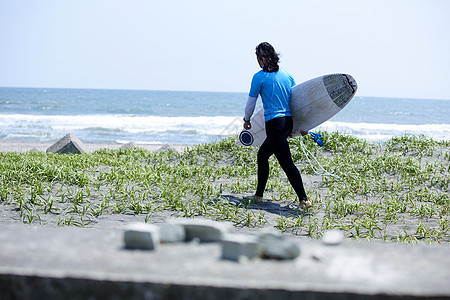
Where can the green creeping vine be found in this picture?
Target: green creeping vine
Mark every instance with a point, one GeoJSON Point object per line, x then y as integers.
{"type": "Point", "coordinates": [397, 191]}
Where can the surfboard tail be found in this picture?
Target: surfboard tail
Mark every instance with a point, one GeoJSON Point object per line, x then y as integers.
{"type": "Point", "coordinates": [340, 87]}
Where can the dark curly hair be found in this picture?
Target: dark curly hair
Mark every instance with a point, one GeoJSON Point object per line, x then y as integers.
{"type": "Point", "coordinates": [266, 53]}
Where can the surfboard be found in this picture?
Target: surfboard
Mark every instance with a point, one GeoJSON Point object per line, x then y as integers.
{"type": "Point", "coordinates": [312, 103]}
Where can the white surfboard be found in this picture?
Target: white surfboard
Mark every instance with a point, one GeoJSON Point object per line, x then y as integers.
{"type": "Point", "coordinates": [312, 103]}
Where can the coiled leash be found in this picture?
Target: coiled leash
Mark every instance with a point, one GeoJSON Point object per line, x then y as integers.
{"type": "Point", "coordinates": [316, 137]}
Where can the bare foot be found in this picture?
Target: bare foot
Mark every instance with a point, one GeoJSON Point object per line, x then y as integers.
{"type": "Point", "coordinates": [304, 203]}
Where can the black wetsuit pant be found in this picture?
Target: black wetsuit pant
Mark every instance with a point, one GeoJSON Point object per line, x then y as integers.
{"type": "Point", "coordinates": [277, 131]}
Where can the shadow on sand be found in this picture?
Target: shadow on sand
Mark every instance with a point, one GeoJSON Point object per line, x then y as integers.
{"type": "Point", "coordinates": [268, 206]}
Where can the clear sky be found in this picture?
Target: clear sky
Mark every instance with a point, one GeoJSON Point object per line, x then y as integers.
{"type": "Point", "coordinates": [393, 48]}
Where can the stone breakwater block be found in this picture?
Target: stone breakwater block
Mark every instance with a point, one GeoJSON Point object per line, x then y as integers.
{"type": "Point", "coordinates": [274, 245]}
{"type": "Point", "coordinates": [172, 233]}
{"type": "Point", "coordinates": [167, 147]}
{"type": "Point", "coordinates": [68, 144]}
{"type": "Point", "coordinates": [332, 237]}
{"type": "Point", "coordinates": [204, 230]}
{"type": "Point", "coordinates": [238, 247]}
{"type": "Point", "coordinates": [129, 145]}
{"type": "Point", "coordinates": [141, 236]}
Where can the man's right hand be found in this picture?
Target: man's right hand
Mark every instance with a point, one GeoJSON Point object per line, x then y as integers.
{"type": "Point", "coordinates": [247, 125]}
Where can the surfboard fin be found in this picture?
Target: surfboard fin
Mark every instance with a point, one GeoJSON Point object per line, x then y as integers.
{"type": "Point", "coordinates": [316, 137]}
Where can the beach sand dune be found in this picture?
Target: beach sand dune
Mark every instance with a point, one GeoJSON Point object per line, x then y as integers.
{"type": "Point", "coordinates": [392, 192]}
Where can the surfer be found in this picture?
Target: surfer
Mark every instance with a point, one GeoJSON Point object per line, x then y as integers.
{"type": "Point", "coordinates": [274, 85]}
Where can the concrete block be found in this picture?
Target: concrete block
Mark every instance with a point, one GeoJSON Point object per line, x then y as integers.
{"type": "Point", "coordinates": [129, 145]}
{"type": "Point", "coordinates": [167, 147]}
{"type": "Point", "coordinates": [237, 247]}
{"type": "Point", "coordinates": [172, 233]}
{"type": "Point", "coordinates": [68, 144]}
{"type": "Point", "coordinates": [204, 230]}
{"type": "Point", "coordinates": [274, 245]}
{"type": "Point", "coordinates": [45, 262]}
{"type": "Point", "coordinates": [332, 237]}
{"type": "Point", "coordinates": [141, 236]}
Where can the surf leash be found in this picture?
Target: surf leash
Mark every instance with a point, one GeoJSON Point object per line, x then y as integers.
{"type": "Point", "coordinates": [307, 153]}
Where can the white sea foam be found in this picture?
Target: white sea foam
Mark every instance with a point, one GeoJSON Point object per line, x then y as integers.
{"type": "Point", "coordinates": [149, 129]}
{"type": "Point", "coordinates": [382, 132]}
{"type": "Point", "coordinates": [22, 125]}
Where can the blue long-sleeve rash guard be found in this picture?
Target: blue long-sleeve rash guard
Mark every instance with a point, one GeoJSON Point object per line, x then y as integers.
{"type": "Point", "coordinates": [275, 91]}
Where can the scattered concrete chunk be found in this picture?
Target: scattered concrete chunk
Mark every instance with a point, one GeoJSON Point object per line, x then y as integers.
{"type": "Point", "coordinates": [141, 236]}
{"type": "Point", "coordinates": [167, 147]}
{"type": "Point", "coordinates": [204, 230]}
{"type": "Point", "coordinates": [68, 144]}
{"type": "Point", "coordinates": [237, 247]}
{"type": "Point", "coordinates": [129, 145]}
{"type": "Point", "coordinates": [172, 233]}
{"type": "Point", "coordinates": [278, 246]}
{"type": "Point", "coordinates": [332, 237]}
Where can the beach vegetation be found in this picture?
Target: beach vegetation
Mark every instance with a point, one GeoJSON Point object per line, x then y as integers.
{"type": "Point", "coordinates": [397, 191]}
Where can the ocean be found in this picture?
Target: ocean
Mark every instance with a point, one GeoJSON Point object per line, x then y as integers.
{"type": "Point", "coordinates": [178, 117]}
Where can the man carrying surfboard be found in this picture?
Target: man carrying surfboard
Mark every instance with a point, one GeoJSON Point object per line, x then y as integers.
{"type": "Point", "coordinates": [274, 85]}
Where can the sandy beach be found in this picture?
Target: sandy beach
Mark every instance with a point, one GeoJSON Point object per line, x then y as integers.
{"type": "Point", "coordinates": [114, 221]}
{"type": "Point", "coordinates": [24, 146]}
{"type": "Point", "coordinates": [396, 192]}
